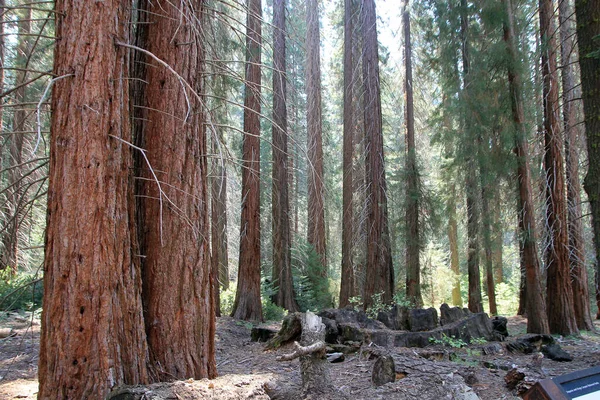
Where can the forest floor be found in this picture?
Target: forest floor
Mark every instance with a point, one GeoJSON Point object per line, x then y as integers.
{"type": "Point", "coordinates": [248, 372]}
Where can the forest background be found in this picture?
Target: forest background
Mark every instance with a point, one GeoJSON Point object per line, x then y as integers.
{"type": "Point", "coordinates": [451, 225]}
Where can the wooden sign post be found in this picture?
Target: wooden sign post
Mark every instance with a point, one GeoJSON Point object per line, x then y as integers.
{"type": "Point", "coordinates": [580, 385]}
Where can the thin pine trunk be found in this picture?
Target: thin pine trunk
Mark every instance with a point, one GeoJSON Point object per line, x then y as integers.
{"type": "Point", "coordinates": [15, 184]}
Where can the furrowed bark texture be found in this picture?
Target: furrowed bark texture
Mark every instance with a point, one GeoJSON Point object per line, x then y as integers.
{"type": "Point", "coordinates": [316, 185]}
{"type": "Point", "coordinates": [347, 279]}
{"type": "Point", "coordinates": [178, 301]}
{"type": "Point", "coordinates": [573, 127]}
{"type": "Point", "coordinates": [475, 302]}
{"type": "Point", "coordinates": [282, 256]}
{"type": "Point", "coordinates": [588, 30]}
{"type": "Point", "coordinates": [413, 268]}
{"type": "Point", "coordinates": [534, 306]}
{"type": "Point", "coordinates": [379, 272]}
{"type": "Point", "coordinates": [92, 326]}
{"type": "Point", "coordinates": [247, 304]}
{"type": "Point", "coordinates": [560, 308]}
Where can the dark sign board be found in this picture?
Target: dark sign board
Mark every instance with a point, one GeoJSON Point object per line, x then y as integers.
{"type": "Point", "coordinates": [579, 385]}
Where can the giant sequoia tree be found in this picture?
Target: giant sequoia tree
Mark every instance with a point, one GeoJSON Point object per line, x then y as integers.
{"type": "Point", "coordinates": [537, 321]}
{"type": "Point", "coordinates": [316, 185]}
{"type": "Point", "coordinates": [413, 269]}
{"type": "Point", "coordinates": [282, 257]}
{"type": "Point", "coordinates": [573, 127]}
{"type": "Point", "coordinates": [347, 289]}
{"type": "Point", "coordinates": [588, 32]}
{"type": "Point", "coordinates": [178, 302]}
{"type": "Point", "coordinates": [560, 309]}
{"type": "Point", "coordinates": [247, 303]}
{"type": "Point", "coordinates": [379, 273]}
{"type": "Point", "coordinates": [92, 325]}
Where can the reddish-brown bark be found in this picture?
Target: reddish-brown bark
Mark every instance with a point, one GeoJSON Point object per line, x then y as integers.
{"type": "Point", "coordinates": [218, 223]}
{"type": "Point", "coordinates": [588, 31]}
{"type": "Point", "coordinates": [316, 185]}
{"type": "Point", "coordinates": [282, 256]}
{"type": "Point", "coordinates": [571, 105]}
{"type": "Point", "coordinates": [559, 294]}
{"type": "Point", "coordinates": [413, 267]}
{"type": "Point", "coordinates": [178, 301]}
{"type": "Point", "coordinates": [379, 274]}
{"type": "Point", "coordinates": [475, 302]}
{"type": "Point", "coordinates": [247, 303]}
{"type": "Point", "coordinates": [532, 298]}
{"type": "Point", "coordinates": [92, 336]}
{"type": "Point", "coordinates": [347, 279]}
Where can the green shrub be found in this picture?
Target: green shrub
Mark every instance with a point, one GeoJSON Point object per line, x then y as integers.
{"type": "Point", "coordinates": [22, 291]}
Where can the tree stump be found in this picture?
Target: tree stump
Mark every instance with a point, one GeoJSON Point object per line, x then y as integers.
{"type": "Point", "coordinates": [313, 363]}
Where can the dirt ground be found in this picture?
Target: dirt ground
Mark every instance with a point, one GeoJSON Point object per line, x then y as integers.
{"type": "Point", "coordinates": [248, 372]}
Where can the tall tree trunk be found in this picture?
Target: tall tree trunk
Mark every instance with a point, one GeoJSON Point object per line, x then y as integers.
{"type": "Point", "coordinates": [347, 280]}
{"type": "Point", "coordinates": [178, 300]}
{"type": "Point", "coordinates": [487, 239]}
{"type": "Point", "coordinates": [560, 308]}
{"type": "Point", "coordinates": [535, 307]}
{"type": "Point", "coordinates": [453, 240]}
{"type": "Point", "coordinates": [497, 228]}
{"type": "Point", "coordinates": [316, 193]}
{"type": "Point", "coordinates": [380, 273]}
{"type": "Point", "coordinates": [92, 336]}
{"type": "Point", "coordinates": [15, 184]}
{"type": "Point", "coordinates": [475, 302]}
{"type": "Point", "coordinates": [282, 256]}
{"type": "Point", "coordinates": [247, 305]}
{"type": "Point", "coordinates": [413, 238]}
{"type": "Point", "coordinates": [588, 30]}
{"type": "Point", "coordinates": [579, 276]}
{"type": "Point", "coordinates": [218, 209]}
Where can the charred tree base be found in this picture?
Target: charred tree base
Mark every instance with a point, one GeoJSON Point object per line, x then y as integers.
{"type": "Point", "coordinates": [313, 363]}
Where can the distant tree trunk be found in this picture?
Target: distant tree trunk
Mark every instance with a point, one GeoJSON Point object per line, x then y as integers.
{"type": "Point", "coordinates": [92, 335]}
{"type": "Point", "coordinates": [178, 300]}
{"type": "Point", "coordinates": [560, 308]}
{"type": "Point", "coordinates": [282, 256]}
{"type": "Point", "coordinates": [15, 184]}
{"type": "Point", "coordinates": [531, 297]}
{"type": "Point", "coordinates": [380, 273]}
{"type": "Point", "coordinates": [316, 193]}
{"type": "Point", "coordinates": [579, 276]}
{"type": "Point", "coordinates": [247, 305]}
{"type": "Point", "coordinates": [588, 30]}
{"type": "Point", "coordinates": [218, 198]}
{"type": "Point", "coordinates": [487, 241]}
{"type": "Point", "coordinates": [453, 239]}
{"type": "Point", "coordinates": [413, 239]}
{"type": "Point", "coordinates": [475, 302]}
{"type": "Point", "coordinates": [347, 279]}
{"type": "Point", "coordinates": [497, 229]}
